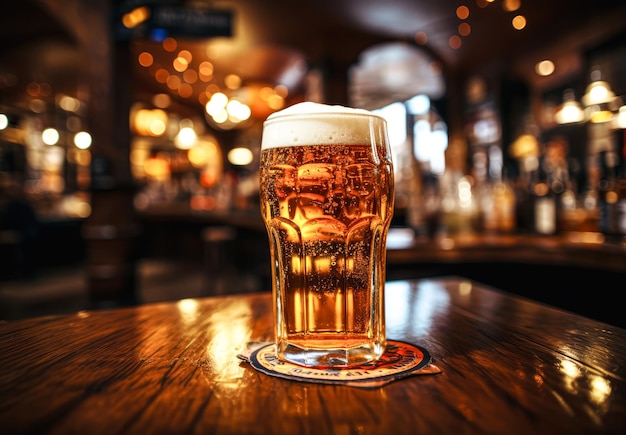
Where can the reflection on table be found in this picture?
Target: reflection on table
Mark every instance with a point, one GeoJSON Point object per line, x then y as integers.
{"type": "Point", "coordinates": [509, 365]}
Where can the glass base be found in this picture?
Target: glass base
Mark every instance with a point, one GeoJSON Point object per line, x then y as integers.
{"type": "Point", "coordinates": [323, 357]}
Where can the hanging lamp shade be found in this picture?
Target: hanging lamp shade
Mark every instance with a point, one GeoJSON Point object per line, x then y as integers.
{"type": "Point", "coordinates": [570, 111]}
{"type": "Point", "coordinates": [599, 99]}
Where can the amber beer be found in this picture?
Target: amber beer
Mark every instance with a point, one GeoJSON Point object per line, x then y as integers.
{"type": "Point", "coordinates": [326, 186]}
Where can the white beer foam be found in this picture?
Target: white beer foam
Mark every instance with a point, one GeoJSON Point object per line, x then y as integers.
{"type": "Point", "coordinates": [300, 125]}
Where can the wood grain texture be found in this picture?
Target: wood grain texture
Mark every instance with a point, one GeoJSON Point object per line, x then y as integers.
{"type": "Point", "coordinates": [509, 366]}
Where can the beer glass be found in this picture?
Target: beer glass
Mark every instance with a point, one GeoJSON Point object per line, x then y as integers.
{"type": "Point", "coordinates": [326, 191]}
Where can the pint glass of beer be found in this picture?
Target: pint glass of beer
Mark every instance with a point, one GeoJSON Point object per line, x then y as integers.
{"type": "Point", "coordinates": [326, 190]}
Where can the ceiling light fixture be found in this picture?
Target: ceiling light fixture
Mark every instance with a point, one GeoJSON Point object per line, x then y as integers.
{"type": "Point", "coordinates": [599, 99]}
{"type": "Point", "coordinates": [570, 111]}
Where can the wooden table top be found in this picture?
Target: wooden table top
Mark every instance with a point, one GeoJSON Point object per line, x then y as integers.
{"type": "Point", "coordinates": [509, 365]}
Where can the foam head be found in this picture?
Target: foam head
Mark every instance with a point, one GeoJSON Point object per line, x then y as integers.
{"type": "Point", "coordinates": [311, 123]}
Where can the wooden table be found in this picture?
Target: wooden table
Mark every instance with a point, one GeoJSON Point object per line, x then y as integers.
{"type": "Point", "coordinates": [509, 366]}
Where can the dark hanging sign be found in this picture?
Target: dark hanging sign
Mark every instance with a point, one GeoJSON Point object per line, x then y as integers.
{"type": "Point", "coordinates": [190, 22]}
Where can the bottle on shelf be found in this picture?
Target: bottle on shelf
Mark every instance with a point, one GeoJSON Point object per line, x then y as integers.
{"type": "Point", "coordinates": [558, 201]}
{"type": "Point", "coordinates": [544, 208]}
{"type": "Point", "coordinates": [526, 150]}
{"type": "Point", "coordinates": [498, 205]}
{"type": "Point", "coordinates": [608, 192]}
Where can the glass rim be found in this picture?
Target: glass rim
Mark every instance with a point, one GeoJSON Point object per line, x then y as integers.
{"type": "Point", "coordinates": [312, 115]}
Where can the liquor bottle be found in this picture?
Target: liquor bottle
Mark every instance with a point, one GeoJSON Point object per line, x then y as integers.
{"type": "Point", "coordinates": [560, 194]}
{"type": "Point", "coordinates": [527, 151]}
{"type": "Point", "coordinates": [498, 206]}
{"type": "Point", "coordinates": [608, 192]}
{"type": "Point", "coordinates": [545, 209]}
{"type": "Point", "coordinates": [543, 201]}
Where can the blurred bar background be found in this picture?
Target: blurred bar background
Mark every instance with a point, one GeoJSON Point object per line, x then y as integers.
{"type": "Point", "coordinates": [130, 134]}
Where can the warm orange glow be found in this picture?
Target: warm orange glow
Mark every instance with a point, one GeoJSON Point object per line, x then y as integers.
{"type": "Point", "coordinates": [275, 102]}
{"type": "Point", "coordinates": [205, 71]}
{"type": "Point", "coordinates": [511, 5]}
{"type": "Point", "coordinates": [35, 89]}
{"type": "Point", "coordinates": [281, 90]}
{"type": "Point", "coordinates": [169, 44]}
{"type": "Point", "coordinates": [145, 59]}
{"type": "Point", "coordinates": [455, 42]}
{"type": "Point", "coordinates": [173, 82]}
{"type": "Point", "coordinates": [205, 152]}
{"type": "Point", "coordinates": [519, 22]}
{"type": "Point", "coordinates": [599, 116]}
{"type": "Point", "coordinates": [212, 89]}
{"type": "Point", "coordinates": [462, 12]}
{"type": "Point", "coordinates": [180, 64]}
{"type": "Point", "coordinates": [138, 156]}
{"type": "Point", "coordinates": [203, 98]}
{"type": "Point", "coordinates": [190, 76]}
{"type": "Point", "coordinates": [465, 29]}
{"type": "Point", "coordinates": [135, 17]}
{"type": "Point", "coordinates": [266, 92]}
{"type": "Point", "coordinates": [232, 81]}
{"type": "Point", "coordinates": [208, 178]}
{"type": "Point", "coordinates": [146, 122]}
{"type": "Point", "coordinates": [161, 100]}
{"type": "Point", "coordinates": [198, 156]}
{"type": "Point", "coordinates": [157, 168]}
{"type": "Point", "coordinates": [541, 189]}
{"type": "Point", "coordinates": [525, 145]}
{"type": "Point", "coordinates": [202, 202]}
{"type": "Point", "coordinates": [161, 75]}
{"type": "Point", "coordinates": [32, 89]}
{"type": "Point", "coordinates": [185, 90]}
{"type": "Point", "coordinates": [185, 54]}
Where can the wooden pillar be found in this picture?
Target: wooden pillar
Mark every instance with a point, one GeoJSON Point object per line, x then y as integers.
{"type": "Point", "coordinates": [112, 230]}
{"type": "Point", "coordinates": [456, 154]}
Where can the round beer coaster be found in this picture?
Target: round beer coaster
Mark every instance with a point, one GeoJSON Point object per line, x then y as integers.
{"type": "Point", "coordinates": [399, 360]}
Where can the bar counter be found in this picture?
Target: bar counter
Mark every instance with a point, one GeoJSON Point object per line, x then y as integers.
{"type": "Point", "coordinates": [508, 365]}
{"type": "Point", "coordinates": [588, 250]}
